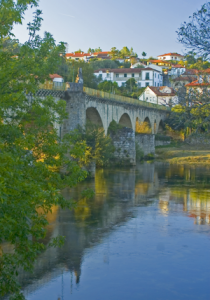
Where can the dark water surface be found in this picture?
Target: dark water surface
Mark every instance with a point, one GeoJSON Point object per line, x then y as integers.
{"type": "Point", "coordinates": [145, 235]}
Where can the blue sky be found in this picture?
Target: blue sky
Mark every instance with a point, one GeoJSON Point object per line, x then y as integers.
{"type": "Point", "coordinates": [145, 25]}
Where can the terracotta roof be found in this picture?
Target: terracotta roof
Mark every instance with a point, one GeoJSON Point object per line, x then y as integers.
{"type": "Point", "coordinates": [205, 71]}
{"type": "Point", "coordinates": [157, 91]}
{"type": "Point", "coordinates": [171, 54]}
{"type": "Point", "coordinates": [190, 72]}
{"type": "Point", "coordinates": [101, 53]}
{"type": "Point", "coordinates": [159, 61]}
{"type": "Point", "coordinates": [53, 76]}
{"type": "Point", "coordinates": [177, 66]}
{"type": "Point", "coordinates": [77, 54]}
{"type": "Point", "coordinates": [183, 78]}
{"type": "Point", "coordinates": [197, 83]}
{"type": "Point", "coordinates": [125, 70]}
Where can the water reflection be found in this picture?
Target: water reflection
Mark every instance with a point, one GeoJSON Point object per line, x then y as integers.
{"type": "Point", "coordinates": [149, 192]}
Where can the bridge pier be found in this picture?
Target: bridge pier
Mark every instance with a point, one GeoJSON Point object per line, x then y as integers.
{"type": "Point", "coordinates": [75, 108]}
{"type": "Point", "coordinates": [124, 143]}
{"type": "Point", "coordinates": [146, 142]}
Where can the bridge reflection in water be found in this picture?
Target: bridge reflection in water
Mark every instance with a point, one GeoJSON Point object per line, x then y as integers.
{"type": "Point", "coordinates": [117, 193]}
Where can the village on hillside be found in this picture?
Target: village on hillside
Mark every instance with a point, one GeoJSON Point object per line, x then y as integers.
{"type": "Point", "coordinates": [154, 80]}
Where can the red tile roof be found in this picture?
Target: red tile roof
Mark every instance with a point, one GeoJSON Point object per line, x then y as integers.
{"type": "Point", "coordinates": [171, 54]}
{"type": "Point", "coordinates": [183, 78]}
{"type": "Point", "coordinates": [159, 61]}
{"type": "Point", "coordinates": [157, 91]}
{"type": "Point", "coordinates": [190, 72]}
{"type": "Point", "coordinates": [197, 83]}
{"type": "Point", "coordinates": [177, 66]}
{"type": "Point", "coordinates": [77, 54]}
{"type": "Point", "coordinates": [53, 76]}
{"type": "Point", "coordinates": [101, 53]}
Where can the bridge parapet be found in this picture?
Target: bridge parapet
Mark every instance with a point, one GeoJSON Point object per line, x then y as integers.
{"type": "Point", "coordinates": [123, 99]}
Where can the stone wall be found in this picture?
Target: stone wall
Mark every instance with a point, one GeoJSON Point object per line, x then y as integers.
{"type": "Point", "coordinates": [146, 142]}
{"type": "Point", "coordinates": [198, 139]}
{"type": "Point", "coordinates": [162, 143]}
{"type": "Point", "coordinates": [124, 143]}
{"type": "Point", "coordinates": [75, 107]}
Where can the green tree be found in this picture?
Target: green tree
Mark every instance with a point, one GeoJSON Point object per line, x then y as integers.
{"type": "Point", "coordinates": [10, 45]}
{"type": "Point", "coordinates": [32, 155]}
{"type": "Point", "coordinates": [79, 51]}
{"type": "Point", "coordinates": [104, 64]}
{"type": "Point", "coordinates": [194, 35]}
{"type": "Point", "coordinates": [130, 84]}
{"type": "Point", "coordinates": [101, 148]}
{"type": "Point", "coordinates": [90, 50]}
{"type": "Point", "coordinates": [124, 52]}
{"type": "Point", "coordinates": [144, 54]}
{"type": "Point", "coordinates": [114, 53]}
{"type": "Point", "coordinates": [107, 86]}
{"type": "Point", "coordinates": [98, 49]}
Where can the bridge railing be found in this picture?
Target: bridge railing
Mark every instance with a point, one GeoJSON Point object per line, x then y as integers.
{"type": "Point", "coordinates": [104, 95]}
{"type": "Point", "coordinates": [55, 86]}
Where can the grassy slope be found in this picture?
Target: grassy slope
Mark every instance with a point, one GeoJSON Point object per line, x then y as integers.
{"type": "Point", "coordinates": [184, 154]}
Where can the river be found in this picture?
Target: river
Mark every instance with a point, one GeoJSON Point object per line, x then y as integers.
{"type": "Point", "coordinates": [144, 235]}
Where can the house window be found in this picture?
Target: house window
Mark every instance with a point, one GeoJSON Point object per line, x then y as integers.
{"type": "Point", "coordinates": [100, 76]}
{"type": "Point", "coordinates": [155, 75]}
{"type": "Point", "coordinates": [147, 84]}
{"type": "Point", "coordinates": [123, 83]}
{"type": "Point", "coordinates": [133, 75]}
{"type": "Point", "coordinates": [107, 75]}
{"type": "Point", "coordinates": [147, 76]}
{"type": "Point", "coordinates": [117, 75]}
{"type": "Point", "coordinates": [125, 75]}
{"type": "Point", "coordinates": [139, 84]}
{"type": "Point", "coordinates": [155, 83]}
{"type": "Point", "coordinates": [175, 57]}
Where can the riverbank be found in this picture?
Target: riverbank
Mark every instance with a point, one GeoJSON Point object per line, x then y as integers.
{"type": "Point", "coordinates": [182, 153]}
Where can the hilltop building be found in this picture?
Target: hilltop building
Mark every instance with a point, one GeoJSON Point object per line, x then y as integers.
{"type": "Point", "coordinates": [143, 76]}
{"type": "Point", "coordinates": [162, 95]}
{"type": "Point", "coordinates": [171, 56]}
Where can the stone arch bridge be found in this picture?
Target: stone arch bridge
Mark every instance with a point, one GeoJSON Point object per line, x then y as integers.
{"type": "Point", "coordinates": [100, 108]}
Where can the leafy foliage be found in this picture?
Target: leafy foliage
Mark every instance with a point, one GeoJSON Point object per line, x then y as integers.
{"type": "Point", "coordinates": [195, 34]}
{"type": "Point", "coordinates": [32, 155]}
{"type": "Point", "coordinates": [192, 114]}
{"type": "Point", "coordinates": [100, 147]}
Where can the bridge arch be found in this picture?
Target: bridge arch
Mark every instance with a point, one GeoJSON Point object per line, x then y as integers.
{"type": "Point", "coordinates": [93, 117]}
{"type": "Point", "coordinates": [125, 121]}
{"type": "Point", "coordinates": [160, 127]}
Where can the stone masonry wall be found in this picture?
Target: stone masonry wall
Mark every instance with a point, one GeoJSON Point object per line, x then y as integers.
{"type": "Point", "coordinates": [162, 143]}
{"type": "Point", "coordinates": [124, 142]}
{"type": "Point", "coordinates": [75, 107]}
{"type": "Point", "coordinates": [146, 142]}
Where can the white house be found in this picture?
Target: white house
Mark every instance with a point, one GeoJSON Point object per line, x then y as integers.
{"type": "Point", "coordinates": [177, 70]}
{"type": "Point", "coordinates": [79, 56]}
{"type": "Point", "coordinates": [163, 95]}
{"type": "Point", "coordinates": [56, 78]}
{"type": "Point", "coordinates": [143, 76]}
{"type": "Point", "coordinates": [171, 56]}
